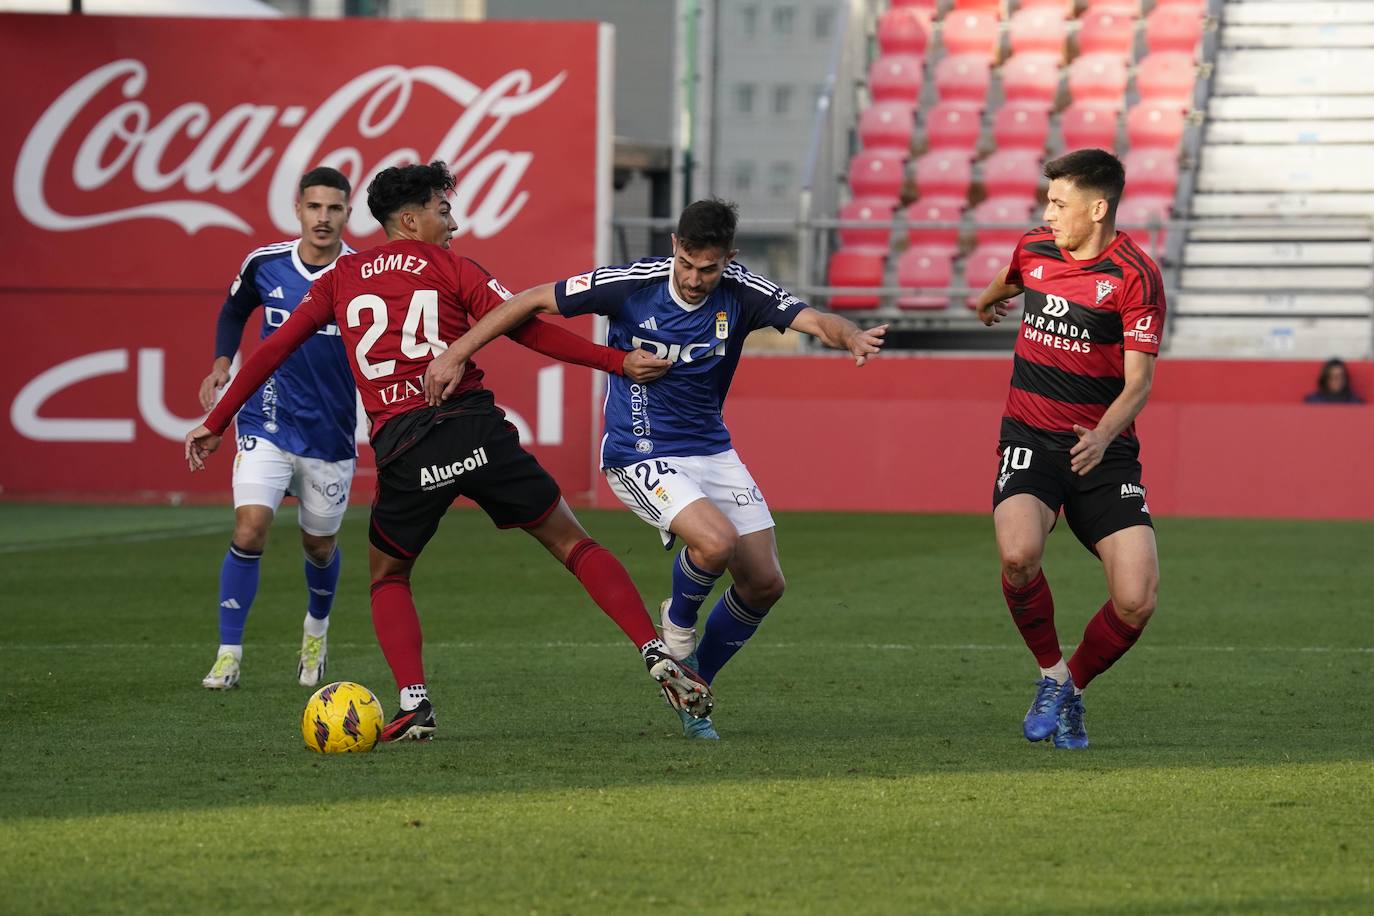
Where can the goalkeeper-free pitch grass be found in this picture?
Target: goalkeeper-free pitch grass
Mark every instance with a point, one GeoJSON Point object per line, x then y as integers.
{"type": "Point", "coordinates": [872, 759]}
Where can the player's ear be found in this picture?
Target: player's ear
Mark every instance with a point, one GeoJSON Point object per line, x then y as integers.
{"type": "Point", "coordinates": [731, 255]}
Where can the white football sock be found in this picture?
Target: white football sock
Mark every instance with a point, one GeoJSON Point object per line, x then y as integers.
{"type": "Point", "coordinates": [237, 651]}
{"type": "Point", "coordinates": [653, 645]}
{"type": "Point", "coordinates": [412, 695]}
{"type": "Point", "coordinates": [1060, 672]}
{"type": "Point", "coordinates": [316, 626]}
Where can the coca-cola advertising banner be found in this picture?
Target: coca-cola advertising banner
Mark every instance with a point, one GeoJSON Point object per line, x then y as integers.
{"type": "Point", "coordinates": [145, 158]}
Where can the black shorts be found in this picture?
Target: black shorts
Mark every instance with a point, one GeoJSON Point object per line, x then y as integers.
{"type": "Point", "coordinates": [1108, 499]}
{"type": "Point", "coordinates": [474, 454]}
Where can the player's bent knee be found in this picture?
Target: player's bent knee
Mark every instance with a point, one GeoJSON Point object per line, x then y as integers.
{"type": "Point", "coordinates": [1020, 567]}
{"type": "Point", "coordinates": [715, 548]}
{"type": "Point", "coordinates": [251, 536]}
{"type": "Point", "coordinates": [764, 593]}
{"type": "Point", "coordinates": [1136, 610]}
{"type": "Point", "coordinates": [320, 550]}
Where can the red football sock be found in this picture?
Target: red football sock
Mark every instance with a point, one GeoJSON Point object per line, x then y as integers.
{"type": "Point", "coordinates": [398, 629]}
{"type": "Point", "coordinates": [1032, 610]}
{"type": "Point", "coordinates": [1105, 639]}
{"type": "Point", "coordinates": [609, 585]}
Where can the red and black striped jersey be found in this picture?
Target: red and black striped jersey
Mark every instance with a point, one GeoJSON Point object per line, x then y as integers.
{"type": "Point", "coordinates": [1079, 319]}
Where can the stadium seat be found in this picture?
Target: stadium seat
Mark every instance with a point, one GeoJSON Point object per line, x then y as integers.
{"type": "Point", "coordinates": [1098, 78]}
{"type": "Point", "coordinates": [982, 266]}
{"type": "Point", "coordinates": [935, 210]}
{"type": "Point", "coordinates": [1135, 215]}
{"type": "Point", "coordinates": [1021, 127]}
{"type": "Point", "coordinates": [1011, 173]}
{"type": "Point", "coordinates": [904, 30]}
{"type": "Point", "coordinates": [992, 6]}
{"type": "Point", "coordinates": [1064, 6]}
{"type": "Point", "coordinates": [877, 173]}
{"type": "Point", "coordinates": [1199, 5]}
{"type": "Point", "coordinates": [942, 173]}
{"type": "Point", "coordinates": [1107, 30]}
{"type": "Point", "coordinates": [856, 267]}
{"type": "Point", "coordinates": [1173, 28]}
{"type": "Point", "coordinates": [1031, 79]}
{"type": "Point", "coordinates": [1012, 213]}
{"type": "Point", "coordinates": [878, 211]}
{"type": "Point", "coordinates": [887, 125]}
{"type": "Point", "coordinates": [929, 6]}
{"type": "Point", "coordinates": [896, 78]}
{"type": "Point", "coordinates": [954, 126]}
{"type": "Point", "coordinates": [1089, 125]}
{"type": "Point", "coordinates": [927, 269]}
{"type": "Point", "coordinates": [1152, 125]}
{"type": "Point", "coordinates": [963, 77]}
{"type": "Point", "coordinates": [1166, 77]}
{"type": "Point", "coordinates": [1130, 7]}
{"type": "Point", "coordinates": [1151, 172]}
{"type": "Point", "coordinates": [1038, 30]}
{"type": "Point", "coordinates": [971, 32]}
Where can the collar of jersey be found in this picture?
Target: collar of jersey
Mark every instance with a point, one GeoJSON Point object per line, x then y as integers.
{"type": "Point", "coordinates": [297, 263]}
{"type": "Point", "coordinates": [672, 291]}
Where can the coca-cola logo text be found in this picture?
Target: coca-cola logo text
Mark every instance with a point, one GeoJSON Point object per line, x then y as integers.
{"type": "Point", "coordinates": [132, 142]}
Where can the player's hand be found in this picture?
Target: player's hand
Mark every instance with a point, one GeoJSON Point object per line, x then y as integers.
{"type": "Point", "coordinates": [216, 380]}
{"type": "Point", "coordinates": [641, 367]}
{"type": "Point", "coordinates": [200, 443]}
{"type": "Point", "coordinates": [442, 376]}
{"type": "Point", "coordinates": [1087, 452]}
{"type": "Point", "coordinates": [863, 344]}
{"type": "Point", "coordinates": [992, 312]}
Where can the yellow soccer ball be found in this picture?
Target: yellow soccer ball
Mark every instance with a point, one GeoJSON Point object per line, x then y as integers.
{"type": "Point", "coordinates": [342, 718]}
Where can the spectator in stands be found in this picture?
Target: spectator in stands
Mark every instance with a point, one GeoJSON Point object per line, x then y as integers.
{"type": "Point", "coordinates": [1333, 385]}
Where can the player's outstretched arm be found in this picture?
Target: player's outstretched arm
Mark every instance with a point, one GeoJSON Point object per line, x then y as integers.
{"type": "Point", "coordinates": [1139, 371]}
{"type": "Point", "coordinates": [841, 333]}
{"type": "Point", "coordinates": [992, 304]}
{"type": "Point", "coordinates": [445, 370]}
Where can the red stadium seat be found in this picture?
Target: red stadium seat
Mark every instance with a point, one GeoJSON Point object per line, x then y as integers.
{"type": "Point", "coordinates": [1199, 5]}
{"type": "Point", "coordinates": [935, 210]}
{"type": "Point", "coordinates": [1009, 217]}
{"type": "Point", "coordinates": [1098, 78]}
{"type": "Point", "coordinates": [904, 30]}
{"type": "Point", "coordinates": [1089, 125]}
{"type": "Point", "coordinates": [1173, 28]}
{"type": "Point", "coordinates": [896, 78]}
{"type": "Point", "coordinates": [1021, 127]}
{"type": "Point", "coordinates": [963, 77]}
{"type": "Point", "coordinates": [971, 32]}
{"type": "Point", "coordinates": [942, 173]}
{"type": "Point", "coordinates": [1151, 172]}
{"type": "Point", "coordinates": [929, 6]}
{"type": "Point", "coordinates": [1031, 79]}
{"type": "Point", "coordinates": [887, 125]}
{"type": "Point", "coordinates": [1140, 216]}
{"type": "Point", "coordinates": [982, 267]}
{"type": "Point", "coordinates": [878, 211]}
{"type": "Point", "coordinates": [927, 269]}
{"type": "Point", "coordinates": [1038, 30]}
{"type": "Point", "coordinates": [1064, 6]}
{"type": "Point", "coordinates": [1129, 7]}
{"type": "Point", "coordinates": [1166, 77]}
{"type": "Point", "coordinates": [877, 173]}
{"type": "Point", "coordinates": [954, 126]}
{"type": "Point", "coordinates": [992, 6]}
{"type": "Point", "coordinates": [856, 267]}
{"type": "Point", "coordinates": [1107, 30]}
{"type": "Point", "coordinates": [1152, 125]}
{"type": "Point", "coordinates": [1011, 173]}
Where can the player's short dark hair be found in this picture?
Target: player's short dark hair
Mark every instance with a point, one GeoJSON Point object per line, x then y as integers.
{"type": "Point", "coordinates": [407, 186]}
{"type": "Point", "coordinates": [708, 224]}
{"type": "Point", "coordinates": [324, 176]}
{"type": "Point", "coordinates": [1094, 170]}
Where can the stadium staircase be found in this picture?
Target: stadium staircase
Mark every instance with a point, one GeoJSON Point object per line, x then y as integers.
{"type": "Point", "coordinates": [964, 102]}
{"type": "Point", "coordinates": [1283, 265]}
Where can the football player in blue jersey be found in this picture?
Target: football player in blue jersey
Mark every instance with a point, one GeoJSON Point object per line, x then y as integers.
{"type": "Point", "coordinates": [666, 452]}
{"type": "Point", "coordinates": [295, 434]}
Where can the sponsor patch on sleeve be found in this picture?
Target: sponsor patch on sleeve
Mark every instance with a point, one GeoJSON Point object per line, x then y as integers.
{"type": "Point", "coordinates": [495, 286]}
{"type": "Point", "coordinates": [578, 284]}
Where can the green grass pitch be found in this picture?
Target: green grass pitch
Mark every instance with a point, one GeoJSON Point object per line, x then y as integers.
{"type": "Point", "coordinates": [872, 760]}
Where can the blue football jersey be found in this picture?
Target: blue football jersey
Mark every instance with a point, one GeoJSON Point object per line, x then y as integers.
{"type": "Point", "coordinates": [309, 405]}
{"type": "Point", "coordinates": [680, 414]}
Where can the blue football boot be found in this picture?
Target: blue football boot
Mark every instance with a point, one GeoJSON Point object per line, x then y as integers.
{"type": "Point", "coordinates": [692, 727]}
{"type": "Point", "coordinates": [1070, 733]}
{"type": "Point", "coordinates": [1043, 716]}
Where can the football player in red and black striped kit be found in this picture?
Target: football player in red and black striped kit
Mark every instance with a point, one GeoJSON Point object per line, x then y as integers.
{"type": "Point", "coordinates": [1081, 373]}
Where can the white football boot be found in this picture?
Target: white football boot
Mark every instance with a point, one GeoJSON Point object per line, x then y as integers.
{"type": "Point", "coordinates": [314, 655]}
{"type": "Point", "coordinates": [225, 673]}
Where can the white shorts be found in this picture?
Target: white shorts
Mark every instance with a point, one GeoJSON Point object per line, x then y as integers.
{"type": "Point", "coordinates": [658, 489]}
{"type": "Point", "coordinates": [263, 474]}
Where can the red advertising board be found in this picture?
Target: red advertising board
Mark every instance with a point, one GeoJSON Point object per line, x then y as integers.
{"type": "Point", "coordinates": [147, 157]}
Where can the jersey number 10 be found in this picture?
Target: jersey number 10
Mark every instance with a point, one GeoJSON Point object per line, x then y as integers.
{"type": "Point", "coordinates": [424, 305]}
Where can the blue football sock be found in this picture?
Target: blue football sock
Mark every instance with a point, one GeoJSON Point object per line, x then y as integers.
{"type": "Point", "coordinates": [691, 586]}
{"type": "Point", "coordinates": [238, 584]}
{"type": "Point", "coordinates": [322, 581]}
{"type": "Point", "coordinates": [728, 628]}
